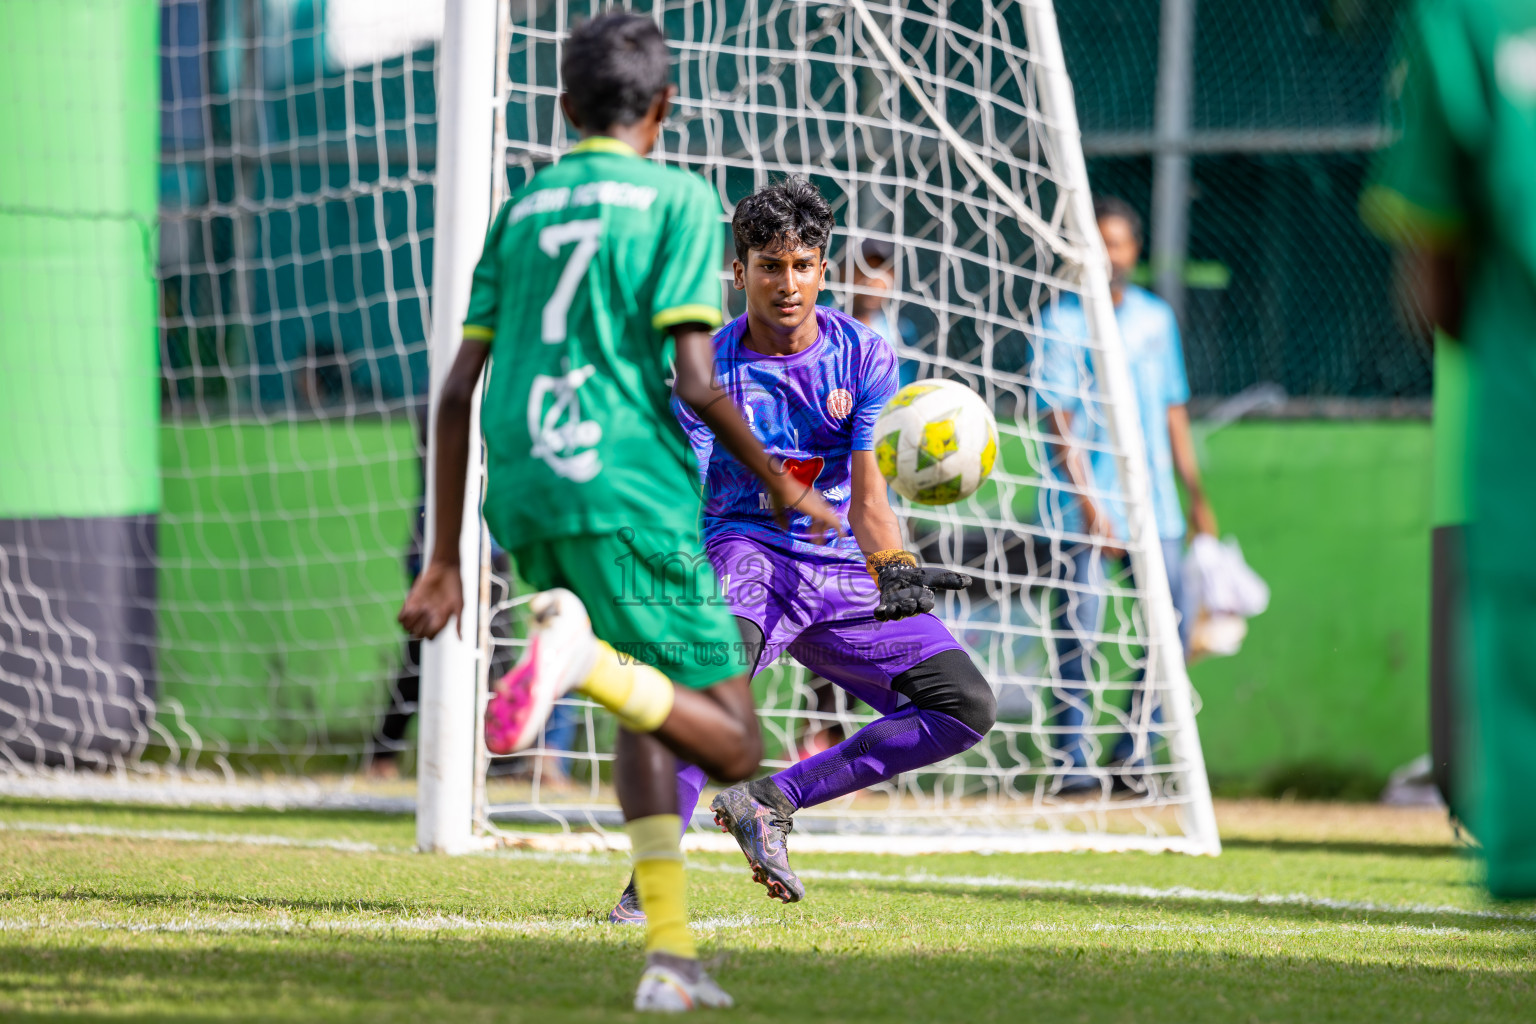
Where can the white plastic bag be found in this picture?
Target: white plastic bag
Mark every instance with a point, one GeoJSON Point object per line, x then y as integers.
{"type": "Point", "coordinates": [1224, 592]}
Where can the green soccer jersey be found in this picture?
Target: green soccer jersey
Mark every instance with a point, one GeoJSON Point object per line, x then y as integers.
{"type": "Point", "coordinates": [585, 269]}
{"type": "Point", "coordinates": [1462, 171]}
{"type": "Point", "coordinates": [1462, 176]}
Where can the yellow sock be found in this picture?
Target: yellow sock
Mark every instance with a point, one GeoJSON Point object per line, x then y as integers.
{"type": "Point", "coordinates": [659, 881]}
{"type": "Point", "coordinates": [638, 694]}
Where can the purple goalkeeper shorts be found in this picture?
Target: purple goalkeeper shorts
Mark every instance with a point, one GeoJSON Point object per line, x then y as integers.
{"type": "Point", "coordinates": [822, 613]}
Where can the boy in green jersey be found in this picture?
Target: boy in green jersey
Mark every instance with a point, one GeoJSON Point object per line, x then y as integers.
{"type": "Point", "coordinates": [1457, 193]}
{"type": "Point", "coordinates": [598, 283]}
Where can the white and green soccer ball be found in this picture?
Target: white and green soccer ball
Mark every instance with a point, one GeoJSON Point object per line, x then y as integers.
{"type": "Point", "coordinates": [936, 441]}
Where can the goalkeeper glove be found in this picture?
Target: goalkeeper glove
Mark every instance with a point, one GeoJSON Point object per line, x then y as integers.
{"type": "Point", "coordinates": [906, 588]}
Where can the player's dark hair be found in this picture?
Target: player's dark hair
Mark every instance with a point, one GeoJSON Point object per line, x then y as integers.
{"type": "Point", "coordinates": [614, 68]}
{"type": "Point", "coordinates": [788, 214]}
{"type": "Point", "coordinates": [1105, 207]}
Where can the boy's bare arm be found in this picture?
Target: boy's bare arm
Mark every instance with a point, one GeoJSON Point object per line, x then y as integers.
{"type": "Point", "coordinates": [1201, 517]}
{"type": "Point", "coordinates": [870, 516]}
{"type": "Point", "coordinates": [438, 593]}
{"type": "Point", "coordinates": [1076, 465]}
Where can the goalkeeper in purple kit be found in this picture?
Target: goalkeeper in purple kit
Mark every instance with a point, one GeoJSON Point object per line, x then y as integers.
{"type": "Point", "coordinates": [811, 381]}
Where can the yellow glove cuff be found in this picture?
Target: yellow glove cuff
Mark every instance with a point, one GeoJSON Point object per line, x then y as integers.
{"type": "Point", "coordinates": [878, 560]}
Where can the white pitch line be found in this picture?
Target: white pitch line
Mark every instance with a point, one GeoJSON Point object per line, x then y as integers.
{"type": "Point", "coordinates": [456, 924]}
{"type": "Point", "coordinates": [1178, 892]}
{"type": "Point", "coordinates": [434, 923]}
{"type": "Point", "coordinates": [735, 921]}
{"type": "Point", "coordinates": [1240, 929]}
{"type": "Point", "coordinates": [916, 878]}
{"type": "Point", "coordinates": [229, 925]}
{"type": "Point", "coordinates": [183, 836]}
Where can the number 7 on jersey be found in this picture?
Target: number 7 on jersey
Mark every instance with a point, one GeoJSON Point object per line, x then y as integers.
{"type": "Point", "coordinates": [587, 235]}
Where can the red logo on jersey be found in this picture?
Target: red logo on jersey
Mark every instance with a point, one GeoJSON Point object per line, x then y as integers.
{"type": "Point", "coordinates": [840, 403]}
{"type": "Point", "coordinates": [805, 470]}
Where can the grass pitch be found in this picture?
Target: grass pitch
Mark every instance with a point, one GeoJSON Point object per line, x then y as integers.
{"type": "Point", "coordinates": [1313, 913]}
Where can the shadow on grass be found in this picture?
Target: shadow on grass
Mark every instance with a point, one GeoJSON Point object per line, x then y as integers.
{"type": "Point", "coordinates": [1515, 915]}
{"type": "Point", "coordinates": [204, 900]}
{"type": "Point", "coordinates": [208, 817]}
{"type": "Point", "coordinates": [505, 978]}
{"type": "Point", "coordinates": [428, 895]}
{"type": "Point", "coordinates": [1370, 849]}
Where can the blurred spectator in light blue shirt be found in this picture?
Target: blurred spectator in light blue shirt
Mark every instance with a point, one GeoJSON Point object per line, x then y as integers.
{"type": "Point", "coordinates": [1083, 463]}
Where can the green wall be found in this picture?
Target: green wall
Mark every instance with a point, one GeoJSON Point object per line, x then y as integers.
{"type": "Point", "coordinates": [281, 574]}
{"type": "Point", "coordinates": [79, 381]}
{"type": "Point", "coordinates": [1335, 516]}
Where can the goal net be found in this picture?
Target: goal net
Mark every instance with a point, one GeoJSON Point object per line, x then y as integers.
{"type": "Point", "coordinates": [944, 136]}
{"type": "Point", "coordinates": [213, 342]}
{"type": "Point", "coordinates": [212, 399]}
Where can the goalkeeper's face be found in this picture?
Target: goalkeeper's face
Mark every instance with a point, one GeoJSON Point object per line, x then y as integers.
{"type": "Point", "coordinates": [781, 285]}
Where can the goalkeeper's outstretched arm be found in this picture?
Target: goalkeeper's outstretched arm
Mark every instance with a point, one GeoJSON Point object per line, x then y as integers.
{"type": "Point", "coordinates": [906, 588]}
{"type": "Point", "coordinates": [438, 593]}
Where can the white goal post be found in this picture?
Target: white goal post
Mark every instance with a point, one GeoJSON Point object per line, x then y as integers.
{"type": "Point", "coordinates": [448, 760]}
{"type": "Point", "coordinates": [945, 137]}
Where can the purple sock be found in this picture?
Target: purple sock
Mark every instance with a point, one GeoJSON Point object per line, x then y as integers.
{"type": "Point", "coordinates": [690, 783]}
{"type": "Point", "coordinates": [900, 742]}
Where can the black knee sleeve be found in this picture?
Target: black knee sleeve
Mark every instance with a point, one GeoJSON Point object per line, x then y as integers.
{"type": "Point", "coordinates": [949, 682]}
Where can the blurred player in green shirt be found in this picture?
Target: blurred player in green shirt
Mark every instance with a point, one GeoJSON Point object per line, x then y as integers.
{"type": "Point", "coordinates": [598, 278]}
{"type": "Point", "coordinates": [1457, 193]}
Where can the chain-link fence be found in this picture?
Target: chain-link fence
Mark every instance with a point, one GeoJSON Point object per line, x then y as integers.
{"type": "Point", "coordinates": [296, 167]}
{"type": "Point", "coordinates": [1274, 276]}
{"type": "Point", "coordinates": [1272, 113]}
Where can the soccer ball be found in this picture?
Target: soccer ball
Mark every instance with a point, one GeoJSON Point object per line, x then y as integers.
{"type": "Point", "coordinates": [935, 441]}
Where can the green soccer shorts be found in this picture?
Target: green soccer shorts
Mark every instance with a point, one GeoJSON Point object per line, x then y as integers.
{"type": "Point", "coordinates": [651, 594]}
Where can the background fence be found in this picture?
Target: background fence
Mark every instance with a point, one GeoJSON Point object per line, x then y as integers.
{"type": "Point", "coordinates": [276, 139]}
{"type": "Point", "coordinates": [1244, 131]}
{"type": "Point", "coordinates": [297, 156]}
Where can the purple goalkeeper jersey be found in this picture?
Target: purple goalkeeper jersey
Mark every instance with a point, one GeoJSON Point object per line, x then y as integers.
{"type": "Point", "coordinates": [812, 409]}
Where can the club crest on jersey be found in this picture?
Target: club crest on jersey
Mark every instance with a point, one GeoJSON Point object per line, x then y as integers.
{"type": "Point", "coordinates": [564, 440]}
{"type": "Point", "coordinates": [840, 403]}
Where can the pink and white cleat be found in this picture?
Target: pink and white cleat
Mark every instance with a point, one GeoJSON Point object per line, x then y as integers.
{"type": "Point", "coordinates": [559, 656]}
